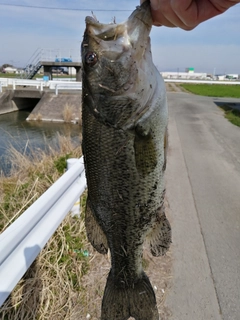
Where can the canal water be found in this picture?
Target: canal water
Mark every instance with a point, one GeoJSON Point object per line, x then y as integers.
{"type": "Point", "coordinates": [27, 136]}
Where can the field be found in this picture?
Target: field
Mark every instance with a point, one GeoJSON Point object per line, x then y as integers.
{"type": "Point", "coordinates": [14, 75]}
{"type": "Point", "coordinates": [217, 90]}
{"type": "Point", "coordinates": [8, 75]}
{"type": "Point", "coordinates": [231, 114]}
{"type": "Point", "coordinates": [213, 90]}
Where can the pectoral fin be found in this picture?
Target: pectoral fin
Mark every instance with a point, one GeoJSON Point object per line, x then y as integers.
{"type": "Point", "coordinates": [95, 234]}
{"type": "Point", "coordinates": [160, 236]}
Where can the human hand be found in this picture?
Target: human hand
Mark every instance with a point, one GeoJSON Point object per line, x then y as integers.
{"type": "Point", "coordinates": [187, 14]}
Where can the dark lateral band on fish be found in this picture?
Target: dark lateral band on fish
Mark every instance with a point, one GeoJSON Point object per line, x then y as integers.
{"type": "Point", "coordinates": [124, 121]}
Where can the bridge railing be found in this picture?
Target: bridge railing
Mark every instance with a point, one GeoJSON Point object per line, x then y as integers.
{"type": "Point", "coordinates": [40, 84]}
{"type": "Point", "coordinates": [3, 83]}
{"type": "Point", "coordinates": [67, 86]}
{"type": "Point", "coordinates": [23, 240]}
{"type": "Point", "coordinates": [33, 65]}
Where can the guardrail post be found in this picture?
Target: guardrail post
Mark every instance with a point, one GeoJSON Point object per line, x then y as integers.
{"type": "Point", "coordinates": [41, 86]}
{"type": "Point", "coordinates": [76, 209]}
{"type": "Point", "coordinates": [56, 90]}
{"type": "Point", "coordinates": [14, 85]}
{"type": "Point", "coordinates": [0, 87]}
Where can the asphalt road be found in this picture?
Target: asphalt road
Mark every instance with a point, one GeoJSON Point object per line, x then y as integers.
{"type": "Point", "coordinates": [203, 191]}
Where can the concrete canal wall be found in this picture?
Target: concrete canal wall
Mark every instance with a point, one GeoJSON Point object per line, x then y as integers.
{"type": "Point", "coordinates": [15, 100]}
{"type": "Point", "coordinates": [64, 107]}
{"type": "Point", "coordinates": [44, 106]}
{"type": "Point", "coordinates": [6, 102]}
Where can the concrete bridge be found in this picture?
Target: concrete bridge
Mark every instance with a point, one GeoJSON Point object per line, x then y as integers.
{"type": "Point", "coordinates": [47, 100]}
{"type": "Point", "coordinates": [48, 65]}
{"type": "Point", "coordinates": [47, 60]}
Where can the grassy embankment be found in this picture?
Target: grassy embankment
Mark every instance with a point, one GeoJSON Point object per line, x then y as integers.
{"type": "Point", "coordinates": [14, 75]}
{"type": "Point", "coordinates": [8, 75]}
{"type": "Point", "coordinates": [217, 90]}
{"type": "Point", "coordinates": [52, 288]}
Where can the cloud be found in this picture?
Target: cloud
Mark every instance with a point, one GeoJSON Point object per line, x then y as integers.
{"type": "Point", "coordinates": [213, 44]}
{"type": "Point", "coordinates": [26, 29]}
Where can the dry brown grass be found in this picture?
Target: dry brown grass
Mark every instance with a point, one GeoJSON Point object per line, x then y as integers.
{"type": "Point", "coordinates": [39, 117]}
{"type": "Point", "coordinates": [80, 117]}
{"type": "Point", "coordinates": [68, 113]}
{"type": "Point", "coordinates": [52, 287]}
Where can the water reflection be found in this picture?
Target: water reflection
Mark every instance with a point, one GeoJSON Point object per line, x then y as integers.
{"type": "Point", "coordinates": [25, 135]}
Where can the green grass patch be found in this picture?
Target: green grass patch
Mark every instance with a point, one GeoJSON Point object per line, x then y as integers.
{"type": "Point", "coordinates": [232, 115]}
{"type": "Point", "coordinates": [18, 76]}
{"type": "Point", "coordinates": [213, 90]}
{"type": "Point", "coordinates": [9, 75]}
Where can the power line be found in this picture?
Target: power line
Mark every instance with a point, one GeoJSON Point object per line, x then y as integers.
{"type": "Point", "coordinates": [56, 8]}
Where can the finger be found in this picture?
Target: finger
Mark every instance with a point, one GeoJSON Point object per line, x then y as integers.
{"type": "Point", "coordinates": [193, 12]}
{"type": "Point", "coordinates": [163, 14]}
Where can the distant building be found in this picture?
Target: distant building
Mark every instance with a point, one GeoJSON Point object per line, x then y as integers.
{"type": "Point", "coordinates": [189, 70]}
{"type": "Point", "coordinates": [185, 75]}
{"type": "Point", "coordinates": [222, 77]}
{"type": "Point", "coordinates": [10, 70]}
{"type": "Point", "coordinates": [232, 76]}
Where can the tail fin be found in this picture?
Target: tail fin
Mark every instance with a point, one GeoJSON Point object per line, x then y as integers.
{"type": "Point", "coordinates": [137, 301]}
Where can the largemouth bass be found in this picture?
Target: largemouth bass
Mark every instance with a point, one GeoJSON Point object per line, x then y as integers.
{"type": "Point", "coordinates": [124, 119]}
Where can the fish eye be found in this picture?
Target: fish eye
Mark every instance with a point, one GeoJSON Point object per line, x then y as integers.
{"type": "Point", "coordinates": [91, 58]}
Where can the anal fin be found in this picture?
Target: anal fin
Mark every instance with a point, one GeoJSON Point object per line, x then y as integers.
{"type": "Point", "coordinates": [95, 234]}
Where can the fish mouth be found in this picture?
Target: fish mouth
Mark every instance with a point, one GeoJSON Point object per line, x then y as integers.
{"type": "Point", "coordinates": [115, 38]}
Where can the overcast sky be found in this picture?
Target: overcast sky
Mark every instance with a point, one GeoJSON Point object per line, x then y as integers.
{"type": "Point", "coordinates": [213, 47]}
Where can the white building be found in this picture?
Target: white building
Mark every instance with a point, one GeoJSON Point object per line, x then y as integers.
{"type": "Point", "coordinates": [184, 75]}
{"type": "Point", "coordinates": [232, 76]}
{"type": "Point", "coordinates": [10, 70]}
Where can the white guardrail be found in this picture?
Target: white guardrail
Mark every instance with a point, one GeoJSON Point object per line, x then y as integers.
{"type": "Point", "coordinates": [23, 240]}
{"type": "Point", "coordinates": [40, 84]}
{"type": "Point", "coordinates": [63, 84]}
{"type": "Point", "coordinates": [3, 83]}
{"type": "Point", "coordinates": [66, 86]}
